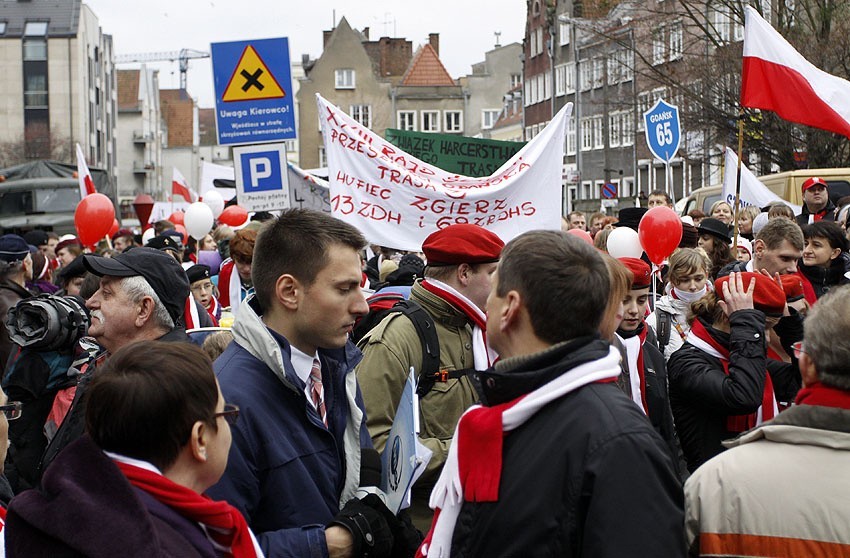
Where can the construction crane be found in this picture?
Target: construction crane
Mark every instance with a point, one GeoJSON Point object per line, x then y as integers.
{"type": "Point", "coordinates": [182, 56]}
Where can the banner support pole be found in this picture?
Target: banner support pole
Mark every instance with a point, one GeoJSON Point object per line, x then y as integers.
{"type": "Point", "coordinates": [738, 180]}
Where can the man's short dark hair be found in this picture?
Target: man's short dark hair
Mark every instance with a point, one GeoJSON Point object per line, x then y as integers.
{"type": "Point", "coordinates": [145, 400]}
{"type": "Point", "coordinates": [778, 230]}
{"type": "Point", "coordinates": [667, 199]}
{"type": "Point", "coordinates": [562, 280]}
{"type": "Point", "coordinates": [297, 243]}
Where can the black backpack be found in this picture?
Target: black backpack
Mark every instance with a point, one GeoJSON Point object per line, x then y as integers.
{"type": "Point", "coordinates": [382, 304]}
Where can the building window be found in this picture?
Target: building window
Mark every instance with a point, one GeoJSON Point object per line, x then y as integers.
{"type": "Point", "coordinates": [598, 138]}
{"type": "Point", "coordinates": [627, 67]}
{"type": "Point", "coordinates": [614, 129]}
{"type": "Point", "coordinates": [35, 90]}
{"type": "Point", "coordinates": [563, 33]}
{"type": "Point", "coordinates": [676, 41]}
{"type": "Point", "coordinates": [407, 120]}
{"type": "Point", "coordinates": [540, 43]}
{"type": "Point", "coordinates": [453, 121]}
{"type": "Point", "coordinates": [658, 46]}
{"type": "Point", "coordinates": [598, 71]}
{"type": "Point", "coordinates": [35, 49]}
{"type": "Point", "coordinates": [323, 157]}
{"type": "Point", "coordinates": [570, 78]}
{"type": "Point", "coordinates": [362, 114]}
{"type": "Point", "coordinates": [560, 80]}
{"type": "Point", "coordinates": [2, 27]}
{"type": "Point", "coordinates": [489, 117]}
{"type": "Point", "coordinates": [516, 79]}
{"type": "Point", "coordinates": [344, 78]}
{"type": "Point", "coordinates": [571, 136]}
{"type": "Point", "coordinates": [430, 121]}
{"type": "Point", "coordinates": [547, 86]}
{"type": "Point", "coordinates": [721, 21]}
{"type": "Point", "coordinates": [613, 69]}
{"type": "Point", "coordinates": [35, 29]}
{"type": "Point", "coordinates": [627, 129]}
{"type": "Point", "coordinates": [586, 134]}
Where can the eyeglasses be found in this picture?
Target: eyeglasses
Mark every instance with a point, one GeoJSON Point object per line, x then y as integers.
{"type": "Point", "coordinates": [230, 414]}
{"type": "Point", "coordinates": [12, 410]}
{"type": "Point", "coordinates": [798, 349]}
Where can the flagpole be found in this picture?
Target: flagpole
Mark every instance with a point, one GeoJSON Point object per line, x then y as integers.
{"type": "Point", "coordinates": [738, 180]}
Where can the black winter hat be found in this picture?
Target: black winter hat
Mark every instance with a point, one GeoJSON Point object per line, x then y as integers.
{"type": "Point", "coordinates": [716, 228]}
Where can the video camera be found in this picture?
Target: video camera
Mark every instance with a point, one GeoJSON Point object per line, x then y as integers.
{"type": "Point", "coordinates": [48, 322]}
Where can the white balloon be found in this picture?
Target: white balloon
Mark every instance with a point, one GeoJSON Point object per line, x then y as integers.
{"type": "Point", "coordinates": [147, 235]}
{"type": "Point", "coordinates": [198, 220]}
{"type": "Point", "coordinates": [215, 202]}
{"type": "Point", "coordinates": [624, 242]}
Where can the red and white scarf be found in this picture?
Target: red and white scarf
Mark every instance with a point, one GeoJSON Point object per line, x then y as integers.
{"type": "Point", "coordinates": [230, 285]}
{"type": "Point", "coordinates": [483, 357]}
{"type": "Point", "coordinates": [473, 468]}
{"type": "Point", "coordinates": [700, 338]}
{"type": "Point", "coordinates": [224, 524]}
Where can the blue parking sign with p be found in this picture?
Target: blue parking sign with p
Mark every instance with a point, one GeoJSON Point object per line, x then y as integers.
{"type": "Point", "coordinates": [261, 171]}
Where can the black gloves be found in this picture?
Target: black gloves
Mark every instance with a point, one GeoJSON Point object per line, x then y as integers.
{"type": "Point", "coordinates": [368, 527]}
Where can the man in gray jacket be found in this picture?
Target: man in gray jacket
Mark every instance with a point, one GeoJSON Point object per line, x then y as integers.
{"type": "Point", "coordinates": [782, 488]}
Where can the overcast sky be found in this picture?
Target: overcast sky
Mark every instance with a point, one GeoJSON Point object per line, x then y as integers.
{"type": "Point", "coordinates": [466, 28]}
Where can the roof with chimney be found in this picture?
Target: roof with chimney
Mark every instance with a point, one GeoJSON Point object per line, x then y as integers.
{"type": "Point", "coordinates": [426, 69]}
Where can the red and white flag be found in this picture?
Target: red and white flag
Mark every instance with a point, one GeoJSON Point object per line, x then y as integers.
{"type": "Point", "coordinates": [84, 175]}
{"type": "Point", "coordinates": [179, 187]}
{"type": "Point", "coordinates": [777, 78]}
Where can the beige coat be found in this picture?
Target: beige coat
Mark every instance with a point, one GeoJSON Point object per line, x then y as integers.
{"type": "Point", "coordinates": [782, 490]}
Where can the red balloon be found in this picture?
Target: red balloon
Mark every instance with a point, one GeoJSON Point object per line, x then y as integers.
{"type": "Point", "coordinates": [234, 216]}
{"type": "Point", "coordinates": [584, 235]}
{"type": "Point", "coordinates": [660, 231]}
{"type": "Point", "coordinates": [115, 227]}
{"type": "Point", "coordinates": [177, 218]}
{"type": "Point", "coordinates": [93, 218]}
{"type": "Point", "coordinates": [182, 230]}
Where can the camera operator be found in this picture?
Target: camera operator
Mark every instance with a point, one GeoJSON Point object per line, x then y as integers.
{"type": "Point", "coordinates": [50, 350]}
{"type": "Point", "coordinates": [15, 271]}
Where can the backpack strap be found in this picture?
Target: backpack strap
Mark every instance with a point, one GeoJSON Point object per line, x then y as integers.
{"type": "Point", "coordinates": [662, 321]}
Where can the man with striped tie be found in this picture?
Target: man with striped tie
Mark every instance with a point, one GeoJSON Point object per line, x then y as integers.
{"type": "Point", "coordinates": [294, 465]}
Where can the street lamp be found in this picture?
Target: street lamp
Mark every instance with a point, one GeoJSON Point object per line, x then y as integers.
{"type": "Point", "coordinates": [577, 83]}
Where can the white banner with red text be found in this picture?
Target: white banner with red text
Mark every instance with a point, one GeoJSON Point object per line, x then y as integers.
{"type": "Point", "coordinates": [397, 200]}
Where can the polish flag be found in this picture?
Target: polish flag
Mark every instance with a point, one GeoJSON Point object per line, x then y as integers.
{"type": "Point", "coordinates": [84, 175]}
{"type": "Point", "coordinates": [777, 78]}
{"type": "Point", "coordinates": [179, 187]}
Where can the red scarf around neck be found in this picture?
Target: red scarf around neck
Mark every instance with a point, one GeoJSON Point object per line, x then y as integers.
{"type": "Point", "coordinates": [739, 423]}
{"type": "Point", "coordinates": [226, 525]}
{"type": "Point", "coordinates": [473, 314]}
{"type": "Point", "coordinates": [824, 396]}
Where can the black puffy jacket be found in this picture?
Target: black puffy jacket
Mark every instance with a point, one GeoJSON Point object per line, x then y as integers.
{"type": "Point", "coordinates": [585, 476]}
{"type": "Point", "coordinates": [703, 396]}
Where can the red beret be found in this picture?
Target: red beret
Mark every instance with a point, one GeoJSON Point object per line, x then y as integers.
{"type": "Point", "coordinates": [793, 286]}
{"type": "Point", "coordinates": [767, 296]}
{"type": "Point", "coordinates": [642, 275]}
{"type": "Point", "coordinates": [815, 180]}
{"type": "Point", "coordinates": [457, 244]}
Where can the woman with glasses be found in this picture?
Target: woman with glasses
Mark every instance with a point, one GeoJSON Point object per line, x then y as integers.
{"type": "Point", "coordinates": [158, 435]}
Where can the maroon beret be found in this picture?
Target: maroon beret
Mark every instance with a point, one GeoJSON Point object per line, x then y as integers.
{"type": "Point", "coordinates": [66, 243]}
{"type": "Point", "coordinates": [793, 286]}
{"type": "Point", "coordinates": [122, 232]}
{"type": "Point", "coordinates": [457, 244]}
{"type": "Point", "coordinates": [641, 273]}
{"type": "Point", "coordinates": [767, 296]}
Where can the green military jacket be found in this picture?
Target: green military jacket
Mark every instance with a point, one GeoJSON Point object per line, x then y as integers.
{"type": "Point", "coordinates": [389, 350]}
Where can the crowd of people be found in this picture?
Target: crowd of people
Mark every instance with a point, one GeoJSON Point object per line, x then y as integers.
{"type": "Point", "coordinates": [567, 410]}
